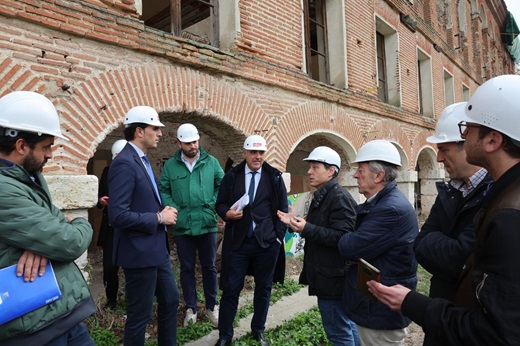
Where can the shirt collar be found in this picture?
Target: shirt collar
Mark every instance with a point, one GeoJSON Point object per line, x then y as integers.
{"type": "Point", "coordinates": [473, 182]}
{"type": "Point", "coordinates": [137, 149]}
{"type": "Point", "coordinates": [247, 170]}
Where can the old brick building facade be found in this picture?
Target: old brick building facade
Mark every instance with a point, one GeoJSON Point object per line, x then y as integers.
{"type": "Point", "coordinates": [300, 72]}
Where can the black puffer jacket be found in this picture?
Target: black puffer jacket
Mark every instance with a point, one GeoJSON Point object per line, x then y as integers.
{"type": "Point", "coordinates": [447, 238]}
{"type": "Point", "coordinates": [331, 214]}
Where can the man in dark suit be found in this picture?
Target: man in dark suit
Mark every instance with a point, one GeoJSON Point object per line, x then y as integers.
{"type": "Point", "coordinates": [253, 236]}
{"type": "Point", "coordinates": [140, 240]}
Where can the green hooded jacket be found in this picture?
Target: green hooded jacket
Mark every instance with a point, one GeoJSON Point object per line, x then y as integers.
{"type": "Point", "coordinates": [192, 194]}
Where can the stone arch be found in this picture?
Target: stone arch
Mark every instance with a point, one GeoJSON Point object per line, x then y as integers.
{"type": "Point", "coordinates": [428, 172]}
{"type": "Point", "coordinates": [302, 148]}
{"type": "Point", "coordinates": [304, 120]}
{"type": "Point", "coordinates": [97, 106]}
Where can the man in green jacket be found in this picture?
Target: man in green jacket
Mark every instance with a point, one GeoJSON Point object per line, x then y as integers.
{"type": "Point", "coordinates": [190, 182]}
{"type": "Point", "coordinates": [33, 230]}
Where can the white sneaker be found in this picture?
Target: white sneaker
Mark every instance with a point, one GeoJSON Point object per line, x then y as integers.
{"type": "Point", "coordinates": [213, 316]}
{"type": "Point", "coordinates": [191, 317]}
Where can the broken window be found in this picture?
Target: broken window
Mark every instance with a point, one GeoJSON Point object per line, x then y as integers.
{"type": "Point", "coordinates": [316, 50]}
{"type": "Point", "coordinates": [195, 20]}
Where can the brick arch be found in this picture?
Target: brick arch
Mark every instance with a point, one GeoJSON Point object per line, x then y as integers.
{"type": "Point", "coordinates": [97, 106]}
{"type": "Point", "coordinates": [392, 131]}
{"type": "Point", "coordinates": [15, 76]}
{"type": "Point", "coordinates": [419, 144]}
{"type": "Point", "coordinates": [311, 118]}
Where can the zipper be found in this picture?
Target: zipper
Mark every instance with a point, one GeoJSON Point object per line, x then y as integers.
{"type": "Point", "coordinates": [480, 286]}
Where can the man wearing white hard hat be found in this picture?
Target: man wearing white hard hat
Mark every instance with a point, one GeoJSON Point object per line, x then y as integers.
{"type": "Point", "coordinates": [386, 227]}
{"type": "Point", "coordinates": [140, 219]}
{"type": "Point", "coordinates": [447, 237]}
{"type": "Point", "coordinates": [331, 214]}
{"type": "Point", "coordinates": [189, 183]}
{"type": "Point", "coordinates": [32, 230]}
{"type": "Point", "coordinates": [486, 309]}
{"type": "Point", "coordinates": [253, 238]}
{"type": "Point", "coordinates": [106, 234]}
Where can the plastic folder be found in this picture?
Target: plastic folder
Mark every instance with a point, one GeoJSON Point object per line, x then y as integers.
{"type": "Point", "coordinates": [18, 297]}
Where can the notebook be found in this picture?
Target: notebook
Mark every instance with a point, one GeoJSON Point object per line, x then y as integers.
{"type": "Point", "coordinates": [367, 272]}
{"type": "Point", "coordinates": [18, 297]}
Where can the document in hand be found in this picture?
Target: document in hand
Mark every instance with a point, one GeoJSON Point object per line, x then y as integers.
{"type": "Point", "coordinates": [242, 202]}
{"type": "Point", "coordinates": [18, 297]}
{"type": "Point", "coordinates": [367, 272]}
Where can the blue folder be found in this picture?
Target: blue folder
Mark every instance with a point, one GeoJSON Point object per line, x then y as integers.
{"type": "Point", "coordinates": [18, 297]}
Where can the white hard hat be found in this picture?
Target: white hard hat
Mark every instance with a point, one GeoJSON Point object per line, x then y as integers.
{"type": "Point", "coordinates": [117, 147]}
{"type": "Point", "coordinates": [379, 150]}
{"type": "Point", "coordinates": [255, 142]}
{"type": "Point", "coordinates": [187, 133]}
{"type": "Point", "coordinates": [29, 112]}
{"type": "Point", "coordinates": [447, 129]}
{"type": "Point", "coordinates": [495, 105]}
{"type": "Point", "coordinates": [143, 114]}
{"type": "Point", "coordinates": [325, 155]}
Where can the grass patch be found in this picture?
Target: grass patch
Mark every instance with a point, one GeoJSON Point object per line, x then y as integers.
{"type": "Point", "coordinates": [423, 282]}
{"type": "Point", "coordinates": [304, 329]}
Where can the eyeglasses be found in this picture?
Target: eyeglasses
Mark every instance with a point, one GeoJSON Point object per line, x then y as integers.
{"type": "Point", "coordinates": [463, 126]}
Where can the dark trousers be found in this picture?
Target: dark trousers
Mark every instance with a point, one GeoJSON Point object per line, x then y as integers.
{"type": "Point", "coordinates": [263, 261]}
{"type": "Point", "coordinates": [75, 336]}
{"type": "Point", "coordinates": [142, 284]}
{"type": "Point", "coordinates": [110, 271]}
{"type": "Point", "coordinates": [206, 246]}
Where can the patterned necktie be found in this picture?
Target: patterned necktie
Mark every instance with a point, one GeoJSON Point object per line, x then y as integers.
{"type": "Point", "coordinates": [251, 193]}
{"type": "Point", "coordinates": [150, 173]}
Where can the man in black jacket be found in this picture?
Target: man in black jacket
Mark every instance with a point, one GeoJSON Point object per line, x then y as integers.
{"type": "Point", "coordinates": [486, 309]}
{"type": "Point", "coordinates": [331, 214]}
{"type": "Point", "coordinates": [253, 238]}
{"type": "Point", "coordinates": [106, 234]}
{"type": "Point", "coordinates": [447, 238]}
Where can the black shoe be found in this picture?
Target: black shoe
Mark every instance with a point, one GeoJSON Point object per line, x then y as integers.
{"type": "Point", "coordinates": [260, 337]}
{"type": "Point", "coordinates": [222, 342]}
{"type": "Point", "coordinates": [111, 305]}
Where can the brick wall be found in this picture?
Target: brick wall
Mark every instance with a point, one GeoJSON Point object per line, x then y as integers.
{"type": "Point", "coordinates": [96, 59]}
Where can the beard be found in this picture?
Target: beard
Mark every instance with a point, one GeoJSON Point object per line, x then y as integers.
{"type": "Point", "coordinates": [191, 154]}
{"type": "Point", "coordinates": [32, 165]}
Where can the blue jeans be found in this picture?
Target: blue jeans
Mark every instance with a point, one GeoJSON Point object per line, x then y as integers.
{"type": "Point", "coordinates": [339, 328]}
{"type": "Point", "coordinates": [187, 247]}
{"type": "Point", "coordinates": [263, 262]}
{"type": "Point", "coordinates": [142, 284]}
{"type": "Point", "coordinates": [75, 336]}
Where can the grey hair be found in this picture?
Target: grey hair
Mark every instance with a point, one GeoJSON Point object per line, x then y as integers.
{"type": "Point", "coordinates": [390, 170]}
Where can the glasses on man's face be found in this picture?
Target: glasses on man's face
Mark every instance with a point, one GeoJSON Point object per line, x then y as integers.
{"type": "Point", "coordinates": [463, 126]}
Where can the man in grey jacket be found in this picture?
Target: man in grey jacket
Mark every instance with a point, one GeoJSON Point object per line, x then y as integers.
{"type": "Point", "coordinates": [33, 230]}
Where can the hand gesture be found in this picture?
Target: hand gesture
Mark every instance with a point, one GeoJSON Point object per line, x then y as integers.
{"type": "Point", "coordinates": [170, 215]}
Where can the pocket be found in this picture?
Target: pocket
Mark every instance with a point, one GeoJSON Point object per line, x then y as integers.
{"type": "Point", "coordinates": [180, 189]}
{"type": "Point", "coordinates": [329, 281]}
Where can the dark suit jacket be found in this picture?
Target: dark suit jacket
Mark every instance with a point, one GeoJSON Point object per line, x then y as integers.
{"type": "Point", "coordinates": [268, 227]}
{"type": "Point", "coordinates": [139, 240]}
